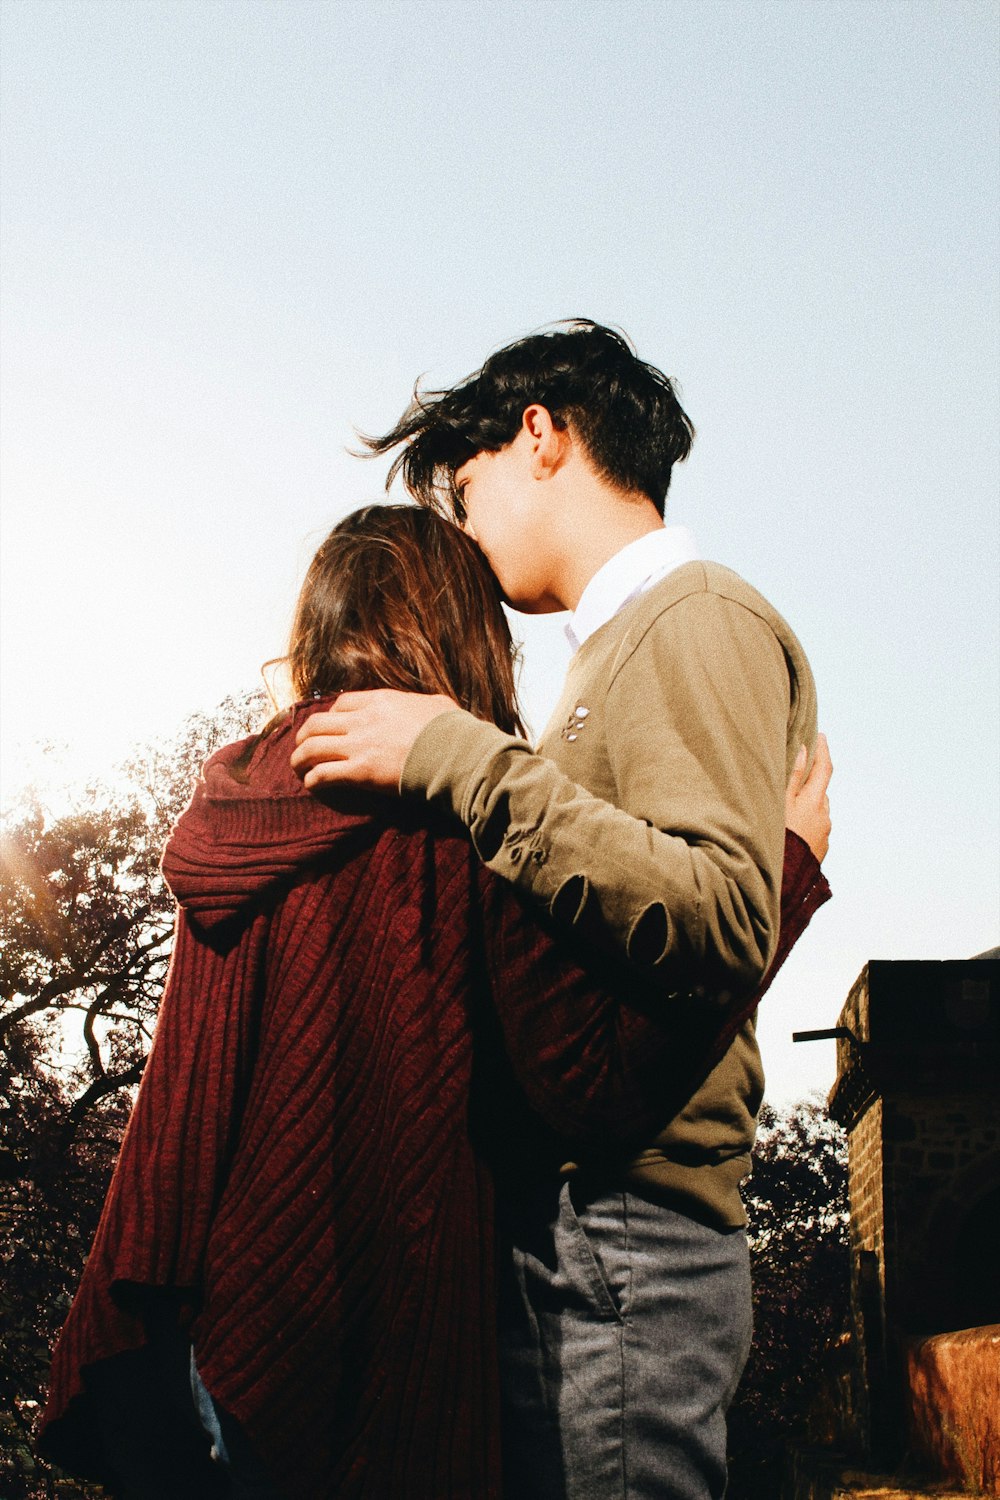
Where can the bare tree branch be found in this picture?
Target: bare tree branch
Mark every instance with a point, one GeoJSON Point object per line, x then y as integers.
{"type": "Point", "coordinates": [110, 1083]}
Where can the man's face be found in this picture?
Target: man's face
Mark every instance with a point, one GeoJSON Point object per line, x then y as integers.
{"type": "Point", "coordinates": [503, 509]}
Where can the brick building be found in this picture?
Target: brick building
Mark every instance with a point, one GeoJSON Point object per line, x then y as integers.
{"type": "Point", "coordinates": [918, 1091]}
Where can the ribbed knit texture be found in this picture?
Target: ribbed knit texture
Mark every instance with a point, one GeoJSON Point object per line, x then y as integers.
{"type": "Point", "coordinates": [305, 1168]}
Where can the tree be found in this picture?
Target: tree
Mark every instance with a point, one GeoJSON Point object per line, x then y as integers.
{"type": "Point", "coordinates": [85, 931]}
{"type": "Point", "coordinates": [797, 1211]}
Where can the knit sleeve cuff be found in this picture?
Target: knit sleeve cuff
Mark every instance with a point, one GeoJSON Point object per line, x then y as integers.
{"type": "Point", "coordinates": [804, 889]}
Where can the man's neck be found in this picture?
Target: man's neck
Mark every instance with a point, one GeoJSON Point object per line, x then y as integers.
{"type": "Point", "coordinates": [596, 534]}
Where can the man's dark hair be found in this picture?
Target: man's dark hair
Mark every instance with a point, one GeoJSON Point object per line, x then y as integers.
{"type": "Point", "coordinates": [624, 412]}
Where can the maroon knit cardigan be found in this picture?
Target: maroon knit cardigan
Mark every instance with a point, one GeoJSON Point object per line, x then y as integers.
{"type": "Point", "coordinates": [306, 1170]}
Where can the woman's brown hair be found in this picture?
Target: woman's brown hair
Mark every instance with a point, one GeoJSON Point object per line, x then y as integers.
{"type": "Point", "coordinates": [399, 597]}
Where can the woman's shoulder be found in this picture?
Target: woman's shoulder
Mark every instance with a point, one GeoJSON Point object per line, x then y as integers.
{"type": "Point", "coordinates": [260, 764]}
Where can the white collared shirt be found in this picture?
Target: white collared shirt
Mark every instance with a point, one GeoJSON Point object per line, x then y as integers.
{"type": "Point", "coordinates": [628, 574]}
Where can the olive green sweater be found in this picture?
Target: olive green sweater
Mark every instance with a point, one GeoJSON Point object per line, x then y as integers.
{"type": "Point", "coordinates": [652, 815]}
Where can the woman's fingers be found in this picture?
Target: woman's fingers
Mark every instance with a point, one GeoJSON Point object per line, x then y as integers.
{"type": "Point", "coordinates": [798, 775]}
{"type": "Point", "coordinates": [822, 767]}
{"type": "Point", "coordinates": [807, 806]}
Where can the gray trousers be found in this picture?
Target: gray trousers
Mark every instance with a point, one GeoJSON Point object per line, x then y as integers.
{"type": "Point", "coordinates": [624, 1329]}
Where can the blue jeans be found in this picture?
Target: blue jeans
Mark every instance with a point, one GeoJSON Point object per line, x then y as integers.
{"type": "Point", "coordinates": [230, 1447]}
{"type": "Point", "coordinates": [624, 1329]}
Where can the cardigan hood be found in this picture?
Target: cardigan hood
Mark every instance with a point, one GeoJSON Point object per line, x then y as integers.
{"type": "Point", "coordinates": [251, 827]}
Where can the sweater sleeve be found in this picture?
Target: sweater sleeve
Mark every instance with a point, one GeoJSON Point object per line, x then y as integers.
{"type": "Point", "coordinates": [688, 878]}
{"type": "Point", "coordinates": [804, 889]}
{"type": "Point", "coordinates": [158, 1212]}
{"type": "Point", "coordinates": [601, 1060]}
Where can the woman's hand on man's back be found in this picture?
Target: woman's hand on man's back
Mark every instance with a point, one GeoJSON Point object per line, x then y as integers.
{"type": "Point", "coordinates": [807, 806]}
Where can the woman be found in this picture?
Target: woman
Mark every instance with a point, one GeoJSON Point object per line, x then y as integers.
{"type": "Point", "coordinates": [358, 1020]}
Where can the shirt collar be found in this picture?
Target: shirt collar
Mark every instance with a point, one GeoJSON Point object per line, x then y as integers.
{"type": "Point", "coordinates": [626, 575]}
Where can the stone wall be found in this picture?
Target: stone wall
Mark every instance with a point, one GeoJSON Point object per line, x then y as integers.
{"type": "Point", "coordinates": [917, 1060]}
{"type": "Point", "coordinates": [867, 1244]}
{"type": "Point", "coordinates": [941, 1164]}
{"type": "Point", "coordinates": [918, 1057]}
{"type": "Point", "coordinates": [953, 1380]}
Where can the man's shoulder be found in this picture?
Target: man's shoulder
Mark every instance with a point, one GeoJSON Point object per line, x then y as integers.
{"type": "Point", "coordinates": [698, 613]}
{"type": "Point", "coordinates": [701, 612]}
{"type": "Point", "coordinates": [706, 589]}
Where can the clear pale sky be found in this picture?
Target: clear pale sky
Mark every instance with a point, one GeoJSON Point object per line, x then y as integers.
{"type": "Point", "coordinates": [235, 230]}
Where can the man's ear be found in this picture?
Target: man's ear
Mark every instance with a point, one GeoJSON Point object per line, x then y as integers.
{"type": "Point", "coordinates": [550, 445]}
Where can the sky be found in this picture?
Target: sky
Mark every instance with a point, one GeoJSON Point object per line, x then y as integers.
{"type": "Point", "coordinates": [236, 231]}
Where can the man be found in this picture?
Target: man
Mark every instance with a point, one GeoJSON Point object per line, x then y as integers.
{"type": "Point", "coordinates": [652, 816]}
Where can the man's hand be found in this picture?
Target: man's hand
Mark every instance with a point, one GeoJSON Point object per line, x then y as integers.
{"type": "Point", "coordinates": [364, 738]}
{"type": "Point", "coordinates": [807, 806]}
